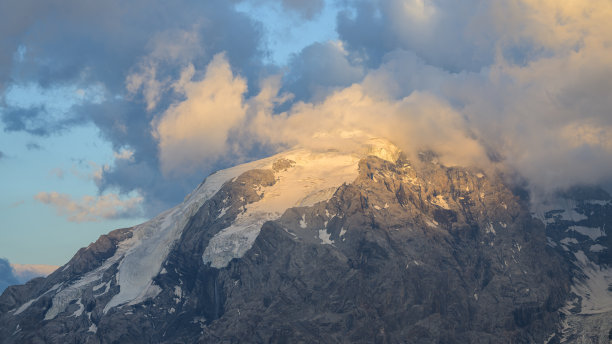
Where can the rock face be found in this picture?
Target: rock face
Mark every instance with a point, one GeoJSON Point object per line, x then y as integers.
{"type": "Point", "coordinates": [314, 247]}
{"type": "Point", "coordinates": [578, 227]}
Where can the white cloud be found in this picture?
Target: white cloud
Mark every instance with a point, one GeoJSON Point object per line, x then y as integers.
{"type": "Point", "coordinates": [195, 130]}
{"type": "Point", "coordinates": [91, 208]}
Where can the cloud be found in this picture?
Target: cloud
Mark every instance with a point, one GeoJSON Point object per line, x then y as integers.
{"type": "Point", "coordinates": [319, 69]}
{"type": "Point", "coordinates": [418, 122]}
{"type": "Point", "coordinates": [447, 34]}
{"type": "Point", "coordinates": [25, 272]}
{"type": "Point", "coordinates": [526, 81]}
{"type": "Point", "coordinates": [12, 274]}
{"type": "Point", "coordinates": [113, 48]}
{"type": "Point", "coordinates": [193, 131]}
{"type": "Point", "coordinates": [91, 208]}
{"type": "Point", "coordinates": [7, 276]}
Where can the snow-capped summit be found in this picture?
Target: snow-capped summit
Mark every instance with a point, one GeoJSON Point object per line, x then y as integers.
{"type": "Point", "coordinates": [329, 244]}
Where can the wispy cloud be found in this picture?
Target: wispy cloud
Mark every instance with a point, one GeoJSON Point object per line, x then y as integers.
{"type": "Point", "coordinates": [91, 208]}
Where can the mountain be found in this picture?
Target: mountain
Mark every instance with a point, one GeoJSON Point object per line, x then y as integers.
{"type": "Point", "coordinates": [576, 227]}
{"type": "Point", "coordinates": [334, 247]}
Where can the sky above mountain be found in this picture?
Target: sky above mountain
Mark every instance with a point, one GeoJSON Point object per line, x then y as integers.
{"type": "Point", "coordinates": [113, 111]}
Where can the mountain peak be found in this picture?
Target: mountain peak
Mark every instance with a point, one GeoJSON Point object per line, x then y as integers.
{"type": "Point", "coordinates": [337, 238]}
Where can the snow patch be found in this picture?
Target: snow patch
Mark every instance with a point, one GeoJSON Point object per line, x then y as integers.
{"type": "Point", "coordinates": [25, 306]}
{"type": "Point", "coordinates": [222, 212]}
{"type": "Point", "coordinates": [597, 248]}
{"type": "Point", "coordinates": [324, 236]}
{"type": "Point", "coordinates": [565, 210]}
{"type": "Point", "coordinates": [567, 241]}
{"type": "Point", "coordinates": [314, 178]}
{"type": "Point", "coordinates": [594, 290]}
{"type": "Point", "coordinates": [490, 229]}
{"type": "Point", "coordinates": [93, 328]}
{"type": "Point", "coordinates": [142, 255]}
{"type": "Point", "coordinates": [592, 233]}
{"type": "Point", "coordinates": [79, 311]}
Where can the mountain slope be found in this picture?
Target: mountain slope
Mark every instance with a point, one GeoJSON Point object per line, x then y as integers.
{"type": "Point", "coordinates": [576, 227]}
{"type": "Point", "coordinates": [312, 247]}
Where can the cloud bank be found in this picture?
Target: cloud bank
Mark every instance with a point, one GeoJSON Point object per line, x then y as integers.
{"type": "Point", "coordinates": [524, 82]}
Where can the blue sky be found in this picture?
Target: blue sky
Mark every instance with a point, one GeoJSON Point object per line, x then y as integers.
{"type": "Point", "coordinates": [112, 112]}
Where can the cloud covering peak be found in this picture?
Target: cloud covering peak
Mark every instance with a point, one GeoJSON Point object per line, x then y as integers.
{"type": "Point", "coordinates": [526, 82]}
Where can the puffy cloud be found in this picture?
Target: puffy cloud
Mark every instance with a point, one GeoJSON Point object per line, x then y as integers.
{"type": "Point", "coordinates": [195, 130]}
{"type": "Point", "coordinates": [549, 114]}
{"type": "Point", "coordinates": [418, 122]}
{"type": "Point", "coordinates": [91, 208]}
